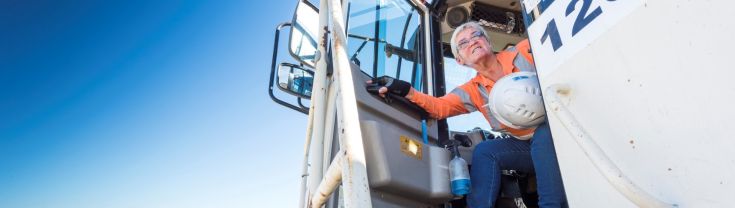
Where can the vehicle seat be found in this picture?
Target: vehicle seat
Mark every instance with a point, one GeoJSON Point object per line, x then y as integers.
{"type": "Point", "coordinates": [518, 189]}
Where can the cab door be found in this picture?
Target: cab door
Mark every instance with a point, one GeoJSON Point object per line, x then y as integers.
{"type": "Point", "coordinates": [404, 168]}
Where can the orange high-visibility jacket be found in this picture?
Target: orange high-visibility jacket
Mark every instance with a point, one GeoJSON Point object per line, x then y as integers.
{"type": "Point", "coordinates": [473, 95]}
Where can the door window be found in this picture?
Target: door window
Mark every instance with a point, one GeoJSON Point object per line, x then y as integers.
{"type": "Point", "coordinates": [384, 39]}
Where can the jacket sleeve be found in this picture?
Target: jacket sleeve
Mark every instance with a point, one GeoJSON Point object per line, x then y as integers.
{"type": "Point", "coordinates": [442, 107]}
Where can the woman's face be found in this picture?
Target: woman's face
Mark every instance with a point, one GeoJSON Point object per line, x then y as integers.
{"type": "Point", "coordinates": [472, 47]}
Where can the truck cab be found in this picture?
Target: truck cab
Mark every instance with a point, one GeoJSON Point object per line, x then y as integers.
{"type": "Point", "coordinates": [405, 164]}
{"type": "Point", "coordinates": [363, 150]}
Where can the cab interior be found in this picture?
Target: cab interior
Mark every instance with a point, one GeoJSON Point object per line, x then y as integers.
{"type": "Point", "coordinates": [502, 19]}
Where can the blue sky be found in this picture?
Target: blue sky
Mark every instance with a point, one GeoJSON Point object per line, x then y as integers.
{"type": "Point", "coordinates": [144, 104]}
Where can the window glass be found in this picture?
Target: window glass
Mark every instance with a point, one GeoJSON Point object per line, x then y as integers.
{"type": "Point", "coordinates": [383, 39]}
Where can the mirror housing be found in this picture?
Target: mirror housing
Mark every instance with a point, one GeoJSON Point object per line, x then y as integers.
{"type": "Point", "coordinates": [295, 80]}
{"type": "Point", "coordinates": [304, 32]}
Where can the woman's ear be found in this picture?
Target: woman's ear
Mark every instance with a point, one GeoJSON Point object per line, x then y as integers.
{"type": "Point", "coordinates": [459, 60]}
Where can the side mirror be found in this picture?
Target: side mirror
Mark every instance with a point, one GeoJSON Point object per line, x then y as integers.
{"type": "Point", "coordinates": [303, 40]}
{"type": "Point", "coordinates": [295, 80]}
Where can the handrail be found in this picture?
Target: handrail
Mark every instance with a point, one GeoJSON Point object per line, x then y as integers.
{"type": "Point", "coordinates": [329, 183]}
{"type": "Point", "coordinates": [604, 165]}
{"type": "Point", "coordinates": [356, 187]}
{"type": "Point", "coordinates": [349, 167]}
{"type": "Point", "coordinates": [329, 126]}
{"type": "Point", "coordinates": [313, 165]}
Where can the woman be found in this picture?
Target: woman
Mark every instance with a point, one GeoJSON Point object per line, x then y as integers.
{"type": "Point", "coordinates": [471, 47]}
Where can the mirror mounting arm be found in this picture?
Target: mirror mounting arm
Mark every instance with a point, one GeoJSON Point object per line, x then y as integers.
{"type": "Point", "coordinates": [273, 71]}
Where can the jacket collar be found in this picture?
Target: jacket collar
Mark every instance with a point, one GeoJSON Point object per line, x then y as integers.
{"type": "Point", "coordinates": [506, 62]}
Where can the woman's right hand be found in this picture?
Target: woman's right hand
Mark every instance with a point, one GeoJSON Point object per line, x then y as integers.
{"type": "Point", "coordinates": [386, 84]}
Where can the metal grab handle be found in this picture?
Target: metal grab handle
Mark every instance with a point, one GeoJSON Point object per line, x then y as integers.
{"type": "Point", "coordinates": [604, 165]}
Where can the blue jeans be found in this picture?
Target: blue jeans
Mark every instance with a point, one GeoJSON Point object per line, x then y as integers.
{"type": "Point", "coordinates": [492, 156]}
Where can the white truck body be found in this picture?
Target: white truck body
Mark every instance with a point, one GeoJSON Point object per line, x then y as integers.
{"type": "Point", "coordinates": [649, 81]}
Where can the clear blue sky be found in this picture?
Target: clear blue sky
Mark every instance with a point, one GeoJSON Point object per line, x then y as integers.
{"type": "Point", "coordinates": [144, 104]}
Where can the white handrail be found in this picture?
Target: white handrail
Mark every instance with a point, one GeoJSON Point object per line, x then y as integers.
{"type": "Point", "coordinates": [351, 160]}
{"type": "Point", "coordinates": [329, 124]}
{"type": "Point", "coordinates": [604, 165]}
{"type": "Point", "coordinates": [329, 183]}
{"type": "Point", "coordinates": [313, 166]}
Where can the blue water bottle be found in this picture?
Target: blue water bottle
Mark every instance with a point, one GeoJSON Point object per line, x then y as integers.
{"type": "Point", "coordinates": [459, 175]}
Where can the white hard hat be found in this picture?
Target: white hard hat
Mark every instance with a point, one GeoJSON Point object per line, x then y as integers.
{"type": "Point", "coordinates": [516, 101]}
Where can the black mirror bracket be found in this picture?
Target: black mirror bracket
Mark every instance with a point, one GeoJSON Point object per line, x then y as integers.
{"type": "Point", "coordinates": [301, 109]}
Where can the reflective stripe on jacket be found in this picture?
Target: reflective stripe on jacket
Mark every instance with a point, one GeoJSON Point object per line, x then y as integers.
{"type": "Point", "coordinates": [472, 95]}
